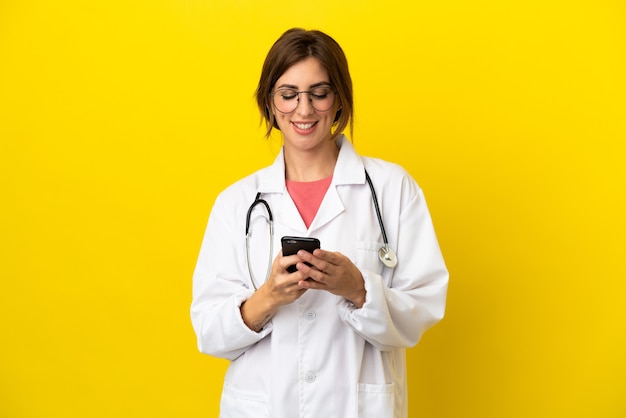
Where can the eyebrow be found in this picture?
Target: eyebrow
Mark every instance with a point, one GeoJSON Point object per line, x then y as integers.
{"type": "Point", "coordinates": [312, 86]}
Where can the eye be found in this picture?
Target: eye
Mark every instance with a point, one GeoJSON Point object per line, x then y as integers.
{"type": "Point", "coordinates": [320, 93]}
{"type": "Point", "coordinates": [287, 94]}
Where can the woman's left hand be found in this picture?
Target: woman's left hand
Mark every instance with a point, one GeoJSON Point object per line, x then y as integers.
{"type": "Point", "coordinates": [333, 272]}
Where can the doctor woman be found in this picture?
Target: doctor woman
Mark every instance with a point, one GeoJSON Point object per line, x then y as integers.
{"type": "Point", "coordinates": [329, 339]}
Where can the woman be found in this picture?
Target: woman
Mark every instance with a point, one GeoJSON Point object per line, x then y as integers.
{"type": "Point", "coordinates": [329, 339]}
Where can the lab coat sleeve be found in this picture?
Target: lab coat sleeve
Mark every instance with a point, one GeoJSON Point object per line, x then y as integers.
{"type": "Point", "coordinates": [219, 289]}
{"type": "Point", "coordinates": [396, 314]}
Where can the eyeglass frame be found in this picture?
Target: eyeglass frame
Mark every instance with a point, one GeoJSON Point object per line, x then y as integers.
{"type": "Point", "coordinates": [273, 94]}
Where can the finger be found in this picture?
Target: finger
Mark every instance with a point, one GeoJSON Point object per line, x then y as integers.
{"type": "Point", "coordinates": [312, 273]}
{"type": "Point", "coordinates": [311, 284]}
{"type": "Point", "coordinates": [318, 263]}
{"type": "Point", "coordinates": [328, 256]}
{"type": "Point", "coordinates": [290, 260]}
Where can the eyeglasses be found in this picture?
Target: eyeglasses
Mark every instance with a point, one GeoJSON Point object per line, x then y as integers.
{"type": "Point", "coordinates": [286, 100]}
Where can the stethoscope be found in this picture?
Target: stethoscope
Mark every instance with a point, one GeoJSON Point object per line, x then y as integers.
{"type": "Point", "coordinates": [386, 255]}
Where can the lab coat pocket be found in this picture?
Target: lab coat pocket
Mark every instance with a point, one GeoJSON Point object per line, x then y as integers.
{"type": "Point", "coordinates": [367, 256]}
{"type": "Point", "coordinates": [375, 401]}
{"type": "Point", "coordinates": [238, 403]}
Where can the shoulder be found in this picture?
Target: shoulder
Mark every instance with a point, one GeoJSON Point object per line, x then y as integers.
{"type": "Point", "coordinates": [386, 172]}
{"type": "Point", "coordinates": [383, 166]}
{"type": "Point", "coordinates": [243, 190]}
{"type": "Point", "coordinates": [393, 184]}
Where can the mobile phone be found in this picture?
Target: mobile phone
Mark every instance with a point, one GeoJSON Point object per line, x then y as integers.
{"type": "Point", "coordinates": [291, 245]}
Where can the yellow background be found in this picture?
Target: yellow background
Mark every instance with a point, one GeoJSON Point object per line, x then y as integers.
{"type": "Point", "coordinates": [121, 120]}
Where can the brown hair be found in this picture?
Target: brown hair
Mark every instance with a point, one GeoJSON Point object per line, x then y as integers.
{"type": "Point", "coordinates": [294, 46]}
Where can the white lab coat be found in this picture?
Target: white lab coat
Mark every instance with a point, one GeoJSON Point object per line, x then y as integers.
{"type": "Point", "coordinates": [320, 357]}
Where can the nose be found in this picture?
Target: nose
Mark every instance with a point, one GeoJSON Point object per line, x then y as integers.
{"type": "Point", "coordinates": [304, 106]}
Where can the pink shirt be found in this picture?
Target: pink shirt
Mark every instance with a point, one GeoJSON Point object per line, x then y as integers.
{"type": "Point", "coordinates": [308, 196]}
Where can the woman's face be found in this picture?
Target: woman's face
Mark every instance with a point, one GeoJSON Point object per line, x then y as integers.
{"type": "Point", "coordinates": [305, 128]}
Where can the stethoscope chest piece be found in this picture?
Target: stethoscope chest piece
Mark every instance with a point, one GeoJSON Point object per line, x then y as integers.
{"type": "Point", "coordinates": [388, 257]}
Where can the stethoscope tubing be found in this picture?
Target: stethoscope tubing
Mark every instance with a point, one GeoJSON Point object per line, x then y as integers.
{"type": "Point", "coordinates": [257, 201]}
{"type": "Point", "coordinates": [377, 208]}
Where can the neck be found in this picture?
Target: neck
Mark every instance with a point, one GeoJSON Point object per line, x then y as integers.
{"type": "Point", "coordinates": [311, 165]}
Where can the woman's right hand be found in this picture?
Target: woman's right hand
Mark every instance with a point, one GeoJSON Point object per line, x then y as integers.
{"type": "Point", "coordinates": [281, 288]}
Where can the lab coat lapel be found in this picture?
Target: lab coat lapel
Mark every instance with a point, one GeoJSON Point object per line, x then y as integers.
{"type": "Point", "coordinates": [289, 215]}
{"type": "Point", "coordinates": [331, 207]}
{"type": "Point", "coordinates": [273, 185]}
{"type": "Point", "coordinates": [348, 170]}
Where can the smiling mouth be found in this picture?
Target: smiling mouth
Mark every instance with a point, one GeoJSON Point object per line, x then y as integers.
{"type": "Point", "coordinates": [304, 126]}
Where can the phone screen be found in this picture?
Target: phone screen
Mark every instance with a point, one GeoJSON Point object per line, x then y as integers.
{"type": "Point", "coordinates": [291, 245]}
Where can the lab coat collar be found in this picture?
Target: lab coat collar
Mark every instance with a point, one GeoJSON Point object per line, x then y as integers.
{"type": "Point", "coordinates": [348, 170]}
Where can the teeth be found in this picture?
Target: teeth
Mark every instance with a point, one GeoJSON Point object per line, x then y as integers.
{"type": "Point", "coordinates": [304, 126]}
